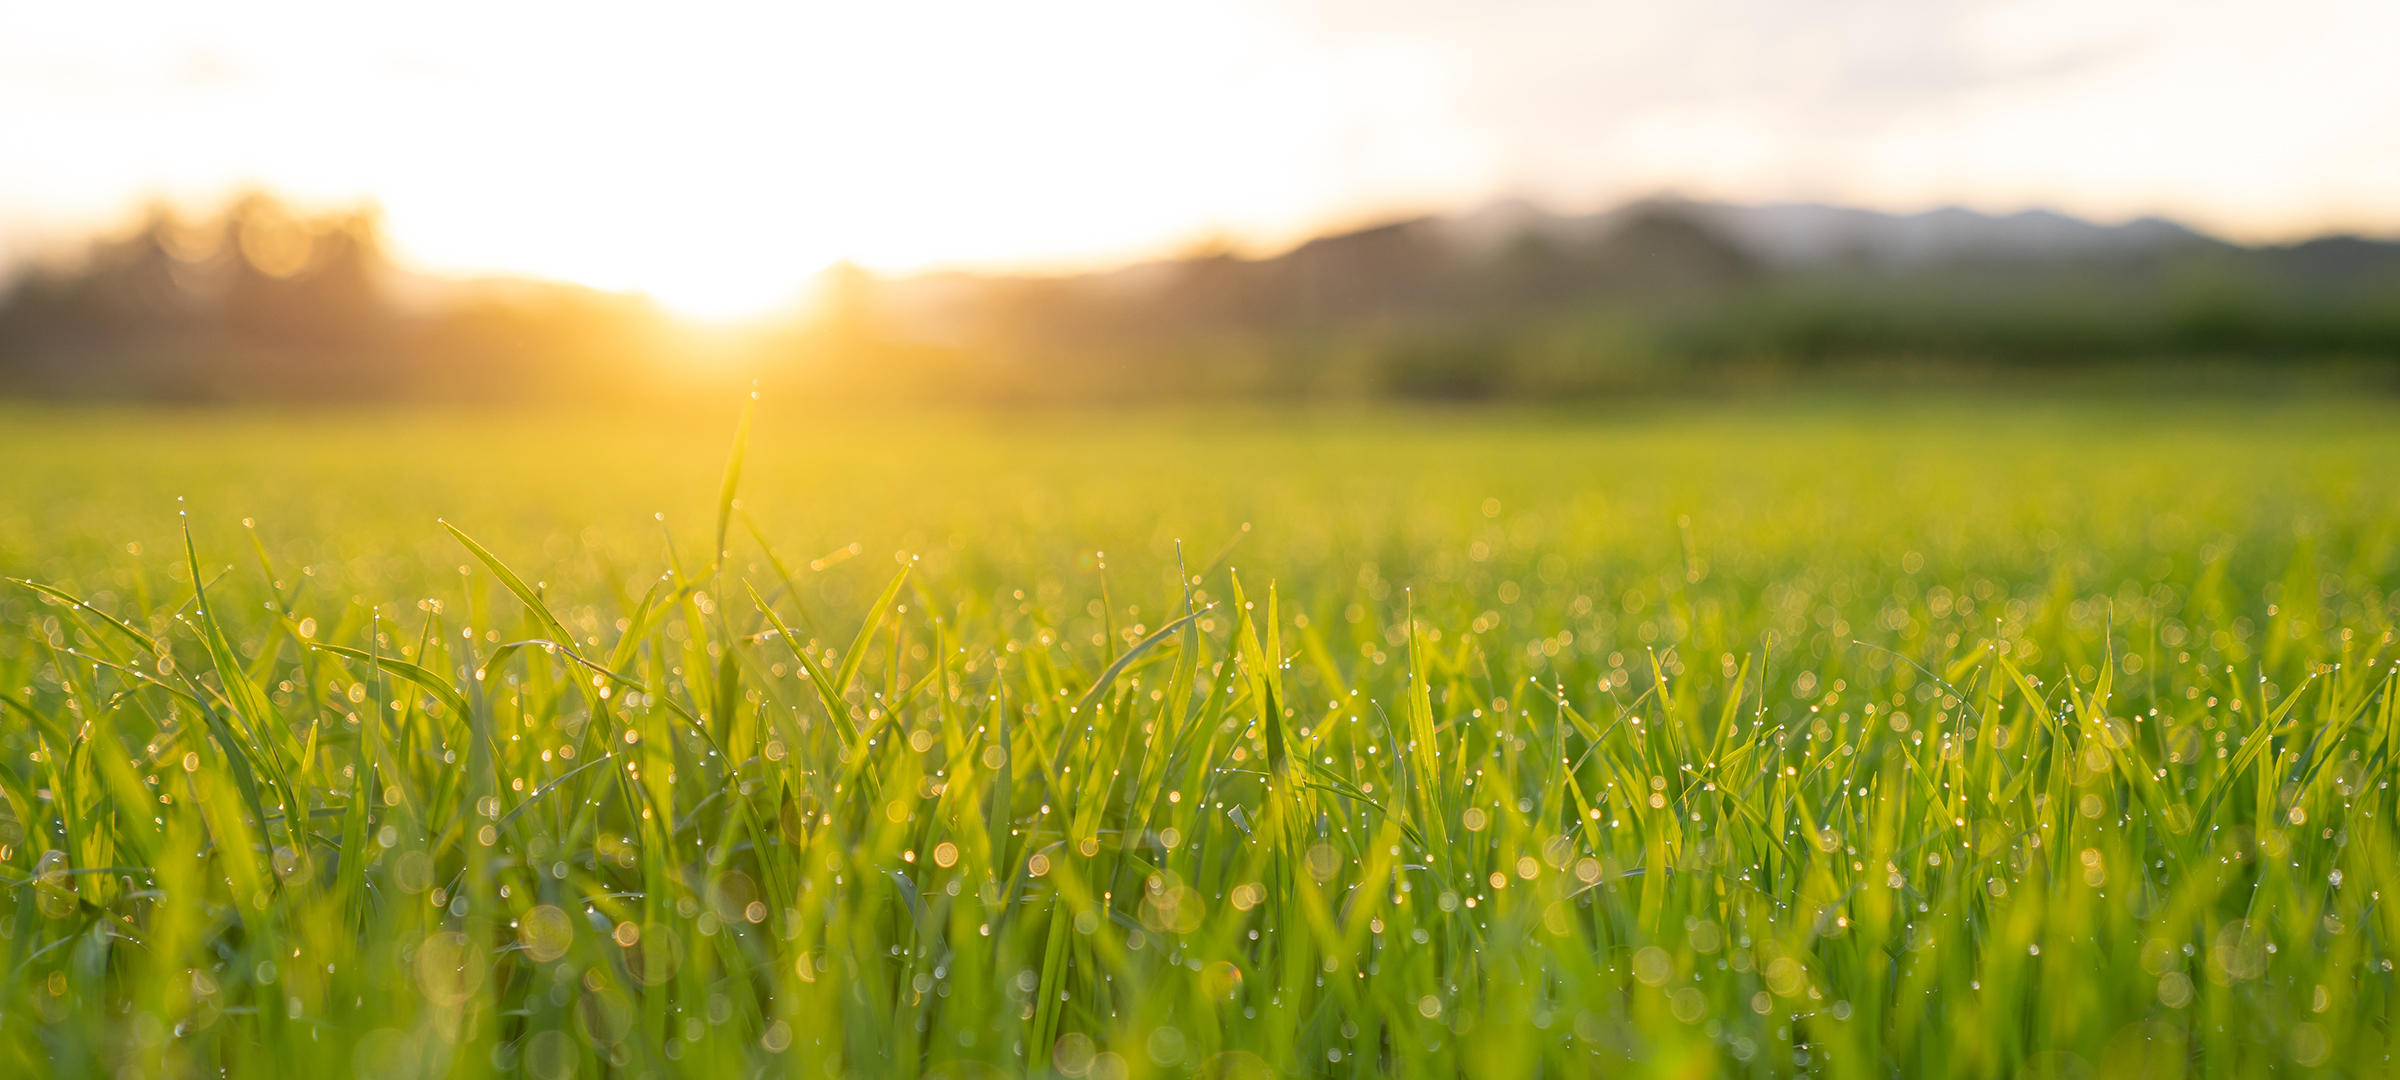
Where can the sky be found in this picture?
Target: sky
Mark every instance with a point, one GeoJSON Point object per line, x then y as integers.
{"type": "Point", "coordinates": [718, 155]}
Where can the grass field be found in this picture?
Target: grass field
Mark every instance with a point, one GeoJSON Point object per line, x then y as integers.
{"type": "Point", "coordinates": [1894, 737]}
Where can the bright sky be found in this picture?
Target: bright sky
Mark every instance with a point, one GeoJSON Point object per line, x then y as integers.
{"type": "Point", "coordinates": [717, 155]}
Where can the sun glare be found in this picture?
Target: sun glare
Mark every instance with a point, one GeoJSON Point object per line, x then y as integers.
{"type": "Point", "coordinates": [717, 163]}
{"type": "Point", "coordinates": [990, 141]}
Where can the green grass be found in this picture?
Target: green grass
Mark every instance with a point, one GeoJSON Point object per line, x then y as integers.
{"type": "Point", "coordinates": [1898, 737]}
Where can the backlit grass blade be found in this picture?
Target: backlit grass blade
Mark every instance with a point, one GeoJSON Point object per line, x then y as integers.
{"type": "Point", "coordinates": [148, 645]}
{"type": "Point", "coordinates": [424, 680]}
{"type": "Point", "coordinates": [733, 480]}
{"type": "Point", "coordinates": [1100, 685]}
{"type": "Point", "coordinates": [515, 585]}
{"type": "Point", "coordinates": [837, 710]}
{"type": "Point", "coordinates": [856, 655]}
{"type": "Point", "coordinates": [248, 747]}
{"type": "Point", "coordinates": [1259, 667]}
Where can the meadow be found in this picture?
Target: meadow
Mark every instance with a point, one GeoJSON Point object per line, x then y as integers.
{"type": "Point", "coordinates": [1869, 737]}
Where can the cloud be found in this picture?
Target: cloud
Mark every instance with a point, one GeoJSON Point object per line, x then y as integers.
{"type": "Point", "coordinates": [2249, 116]}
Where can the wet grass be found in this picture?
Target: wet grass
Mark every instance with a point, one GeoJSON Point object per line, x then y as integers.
{"type": "Point", "coordinates": [1884, 738]}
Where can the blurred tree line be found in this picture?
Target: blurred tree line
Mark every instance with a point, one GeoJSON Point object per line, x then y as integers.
{"type": "Point", "coordinates": [261, 302]}
{"type": "Point", "coordinates": [264, 302]}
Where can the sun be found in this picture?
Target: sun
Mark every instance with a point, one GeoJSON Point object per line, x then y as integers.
{"type": "Point", "coordinates": [718, 166]}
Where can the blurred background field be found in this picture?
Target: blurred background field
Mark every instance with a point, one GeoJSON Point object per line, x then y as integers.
{"type": "Point", "coordinates": [2100, 491]}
